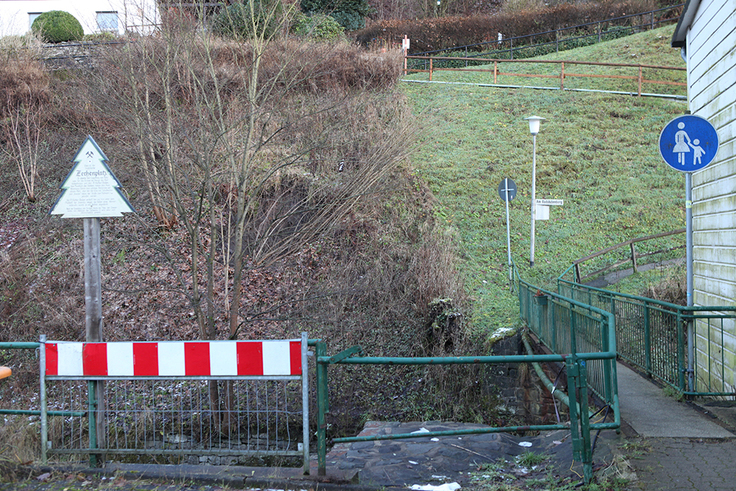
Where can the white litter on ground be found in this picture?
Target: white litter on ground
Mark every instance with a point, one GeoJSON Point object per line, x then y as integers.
{"type": "Point", "coordinates": [525, 444]}
{"type": "Point", "coordinates": [420, 430]}
{"type": "Point", "coordinates": [450, 486]}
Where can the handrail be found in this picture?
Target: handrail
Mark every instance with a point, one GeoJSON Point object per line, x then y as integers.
{"type": "Point", "coordinates": [633, 256]}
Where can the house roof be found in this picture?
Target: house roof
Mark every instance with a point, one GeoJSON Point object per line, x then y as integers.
{"type": "Point", "coordinates": [686, 19]}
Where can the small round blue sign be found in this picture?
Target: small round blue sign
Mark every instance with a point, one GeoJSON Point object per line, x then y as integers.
{"type": "Point", "coordinates": [688, 143]}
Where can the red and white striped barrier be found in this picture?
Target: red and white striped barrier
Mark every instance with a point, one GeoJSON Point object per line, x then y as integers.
{"type": "Point", "coordinates": [174, 358]}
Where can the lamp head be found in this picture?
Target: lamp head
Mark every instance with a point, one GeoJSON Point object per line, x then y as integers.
{"type": "Point", "coordinates": [534, 124]}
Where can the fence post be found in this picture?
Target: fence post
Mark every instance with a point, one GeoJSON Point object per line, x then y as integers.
{"type": "Point", "coordinates": [322, 408]}
{"type": "Point", "coordinates": [599, 32]}
{"type": "Point", "coordinates": [495, 71]}
{"type": "Point", "coordinates": [640, 70]}
{"type": "Point", "coordinates": [562, 75]}
{"type": "Point", "coordinates": [430, 68]}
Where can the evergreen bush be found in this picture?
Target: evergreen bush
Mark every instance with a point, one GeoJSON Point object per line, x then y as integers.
{"type": "Point", "coordinates": [249, 19]}
{"type": "Point", "coordinates": [317, 26]}
{"type": "Point", "coordinates": [350, 14]}
{"type": "Point", "coordinates": [57, 26]}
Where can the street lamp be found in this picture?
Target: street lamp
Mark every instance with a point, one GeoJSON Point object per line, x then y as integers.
{"type": "Point", "coordinates": [534, 122]}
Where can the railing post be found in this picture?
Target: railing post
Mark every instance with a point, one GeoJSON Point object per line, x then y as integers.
{"type": "Point", "coordinates": [430, 68]}
{"type": "Point", "coordinates": [633, 257]}
{"type": "Point", "coordinates": [44, 402]}
{"type": "Point", "coordinates": [599, 32]}
{"type": "Point", "coordinates": [640, 78]}
{"type": "Point", "coordinates": [647, 340]}
{"type": "Point", "coordinates": [305, 401]}
{"type": "Point", "coordinates": [92, 420]}
{"type": "Point", "coordinates": [322, 408]}
{"type": "Point", "coordinates": [495, 72]}
{"type": "Point", "coordinates": [587, 454]}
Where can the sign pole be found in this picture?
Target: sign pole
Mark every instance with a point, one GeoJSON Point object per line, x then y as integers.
{"type": "Point", "coordinates": [508, 234]}
{"type": "Point", "coordinates": [93, 330]}
{"type": "Point", "coordinates": [91, 191]}
{"type": "Point", "coordinates": [92, 281]}
{"type": "Point", "coordinates": [507, 192]}
{"type": "Point", "coordinates": [688, 144]}
{"type": "Point", "coordinates": [689, 261]}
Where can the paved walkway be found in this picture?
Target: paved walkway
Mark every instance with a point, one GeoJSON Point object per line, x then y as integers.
{"type": "Point", "coordinates": [679, 446]}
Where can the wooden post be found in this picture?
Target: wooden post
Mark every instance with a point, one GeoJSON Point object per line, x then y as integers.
{"type": "Point", "coordinates": [495, 72]}
{"type": "Point", "coordinates": [640, 70]}
{"type": "Point", "coordinates": [430, 69]}
{"type": "Point", "coordinates": [562, 75]}
{"type": "Point", "coordinates": [93, 327]}
{"type": "Point", "coordinates": [92, 280]}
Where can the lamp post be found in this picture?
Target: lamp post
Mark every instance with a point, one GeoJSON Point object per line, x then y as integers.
{"type": "Point", "coordinates": [534, 122]}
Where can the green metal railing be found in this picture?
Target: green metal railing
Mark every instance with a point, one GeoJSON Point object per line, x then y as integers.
{"type": "Point", "coordinates": [581, 369]}
{"type": "Point", "coordinates": [683, 347]}
{"type": "Point", "coordinates": [570, 327]}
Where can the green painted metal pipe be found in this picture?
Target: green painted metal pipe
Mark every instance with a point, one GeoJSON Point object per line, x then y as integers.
{"type": "Point", "coordinates": [477, 431]}
{"type": "Point", "coordinates": [543, 376]}
{"type": "Point", "coordinates": [30, 412]}
{"type": "Point", "coordinates": [458, 360]}
{"type": "Point", "coordinates": [19, 345]}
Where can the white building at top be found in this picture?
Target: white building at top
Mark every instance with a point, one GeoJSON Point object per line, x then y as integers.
{"type": "Point", "coordinates": [117, 16]}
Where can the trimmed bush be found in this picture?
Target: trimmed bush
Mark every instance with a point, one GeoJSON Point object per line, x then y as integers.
{"type": "Point", "coordinates": [317, 26]}
{"type": "Point", "coordinates": [238, 22]}
{"type": "Point", "coordinates": [57, 26]}
{"type": "Point", "coordinates": [350, 14]}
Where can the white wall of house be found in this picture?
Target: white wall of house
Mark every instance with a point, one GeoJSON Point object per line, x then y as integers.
{"type": "Point", "coordinates": [95, 15]}
{"type": "Point", "coordinates": [711, 62]}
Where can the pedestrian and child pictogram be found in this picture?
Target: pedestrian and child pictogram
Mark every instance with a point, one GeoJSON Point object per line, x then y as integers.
{"type": "Point", "coordinates": [688, 143]}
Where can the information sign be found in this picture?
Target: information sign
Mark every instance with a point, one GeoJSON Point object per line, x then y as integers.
{"type": "Point", "coordinates": [91, 190]}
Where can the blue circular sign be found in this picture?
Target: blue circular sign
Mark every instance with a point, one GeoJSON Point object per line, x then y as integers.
{"type": "Point", "coordinates": [507, 189]}
{"type": "Point", "coordinates": [688, 143]}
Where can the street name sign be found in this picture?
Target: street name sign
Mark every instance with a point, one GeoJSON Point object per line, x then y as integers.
{"type": "Point", "coordinates": [550, 202]}
{"type": "Point", "coordinates": [91, 190]}
{"type": "Point", "coordinates": [688, 143]}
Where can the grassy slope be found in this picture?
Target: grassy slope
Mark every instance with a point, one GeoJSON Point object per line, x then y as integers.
{"type": "Point", "coordinates": [598, 152]}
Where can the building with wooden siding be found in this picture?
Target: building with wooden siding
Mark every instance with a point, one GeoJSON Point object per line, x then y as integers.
{"type": "Point", "coordinates": [706, 33]}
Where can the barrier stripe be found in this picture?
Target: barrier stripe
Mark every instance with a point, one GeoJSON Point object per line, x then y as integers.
{"type": "Point", "coordinates": [174, 358]}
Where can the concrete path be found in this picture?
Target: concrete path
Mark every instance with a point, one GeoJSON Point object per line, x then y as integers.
{"type": "Point", "coordinates": [651, 413]}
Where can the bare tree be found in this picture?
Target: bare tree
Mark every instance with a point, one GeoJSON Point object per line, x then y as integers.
{"type": "Point", "coordinates": [240, 144]}
{"type": "Point", "coordinates": [23, 128]}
